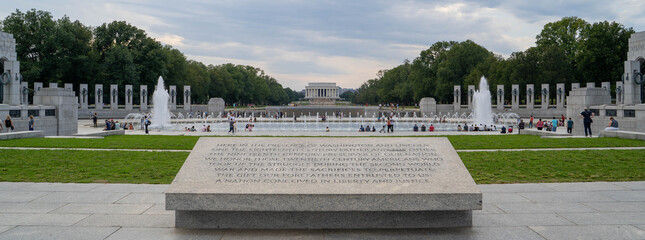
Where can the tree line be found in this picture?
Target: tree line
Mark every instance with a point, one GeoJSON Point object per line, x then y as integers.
{"type": "Point", "coordinates": [567, 51]}
{"type": "Point", "coordinates": [65, 51]}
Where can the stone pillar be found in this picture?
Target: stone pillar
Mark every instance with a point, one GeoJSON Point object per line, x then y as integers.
{"type": "Point", "coordinates": [457, 98]}
{"type": "Point", "coordinates": [544, 92]}
{"type": "Point", "coordinates": [619, 92]}
{"type": "Point", "coordinates": [530, 96]}
{"type": "Point", "coordinates": [500, 97]}
{"type": "Point", "coordinates": [37, 87]}
{"type": "Point", "coordinates": [515, 97]}
{"type": "Point", "coordinates": [143, 97]}
{"type": "Point", "coordinates": [129, 97]}
{"type": "Point", "coordinates": [575, 86]}
{"type": "Point", "coordinates": [172, 91]}
{"type": "Point", "coordinates": [66, 105]}
{"type": "Point", "coordinates": [427, 105]}
{"type": "Point", "coordinates": [98, 97]}
{"type": "Point", "coordinates": [591, 84]}
{"type": "Point", "coordinates": [69, 86]}
{"type": "Point", "coordinates": [10, 73]}
{"type": "Point", "coordinates": [581, 98]}
{"type": "Point", "coordinates": [53, 85]}
{"type": "Point", "coordinates": [471, 94]}
{"type": "Point", "coordinates": [114, 96]}
{"type": "Point", "coordinates": [216, 106]}
{"type": "Point", "coordinates": [632, 92]}
{"type": "Point", "coordinates": [84, 96]}
{"type": "Point", "coordinates": [606, 86]}
{"type": "Point", "coordinates": [187, 99]}
{"type": "Point", "coordinates": [560, 94]}
{"type": "Point", "coordinates": [24, 91]}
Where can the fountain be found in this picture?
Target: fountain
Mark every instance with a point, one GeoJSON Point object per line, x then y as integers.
{"type": "Point", "coordinates": [482, 104]}
{"type": "Point", "coordinates": [161, 112]}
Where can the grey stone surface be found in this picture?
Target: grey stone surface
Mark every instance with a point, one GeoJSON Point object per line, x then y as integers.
{"type": "Point", "coordinates": [543, 207]}
{"type": "Point", "coordinates": [617, 206]}
{"type": "Point", "coordinates": [513, 220]}
{"type": "Point", "coordinates": [103, 208]}
{"type": "Point", "coordinates": [492, 233]}
{"type": "Point", "coordinates": [58, 187]}
{"type": "Point", "coordinates": [216, 106]}
{"type": "Point", "coordinates": [158, 209]}
{"type": "Point", "coordinates": [513, 188]}
{"type": "Point", "coordinates": [52, 232]}
{"type": "Point", "coordinates": [577, 187]}
{"type": "Point", "coordinates": [321, 220]}
{"type": "Point", "coordinates": [128, 233]}
{"type": "Point", "coordinates": [505, 198]}
{"type": "Point", "coordinates": [628, 196]}
{"type": "Point", "coordinates": [143, 198]}
{"type": "Point", "coordinates": [11, 196]}
{"type": "Point", "coordinates": [40, 219]}
{"type": "Point", "coordinates": [137, 188]}
{"type": "Point", "coordinates": [632, 185]}
{"type": "Point", "coordinates": [567, 197]}
{"type": "Point", "coordinates": [5, 228]}
{"type": "Point", "coordinates": [128, 220]}
{"type": "Point", "coordinates": [29, 207]}
{"type": "Point", "coordinates": [590, 232]}
{"type": "Point", "coordinates": [273, 234]}
{"type": "Point", "coordinates": [404, 234]}
{"type": "Point", "coordinates": [635, 217]}
{"type": "Point", "coordinates": [81, 197]}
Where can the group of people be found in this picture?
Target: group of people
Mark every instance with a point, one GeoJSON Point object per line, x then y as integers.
{"type": "Point", "coordinates": [110, 124]}
{"type": "Point", "coordinates": [423, 128]}
{"type": "Point", "coordinates": [193, 129]}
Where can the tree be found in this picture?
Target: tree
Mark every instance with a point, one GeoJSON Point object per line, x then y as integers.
{"type": "Point", "coordinates": [602, 51]}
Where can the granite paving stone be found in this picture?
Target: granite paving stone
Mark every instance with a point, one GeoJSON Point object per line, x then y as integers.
{"type": "Point", "coordinates": [566, 197]}
{"type": "Point", "coordinates": [514, 188]}
{"type": "Point", "coordinates": [377, 234]}
{"type": "Point", "coordinates": [81, 197]}
{"type": "Point", "coordinates": [5, 228]}
{"type": "Point", "coordinates": [53, 233]}
{"type": "Point", "coordinates": [504, 198]}
{"type": "Point", "coordinates": [103, 208]}
{"type": "Point", "coordinates": [135, 188]}
{"type": "Point", "coordinates": [626, 196]}
{"type": "Point", "coordinates": [40, 219]}
{"type": "Point", "coordinates": [13, 186]}
{"type": "Point", "coordinates": [59, 187]}
{"type": "Point", "coordinates": [16, 196]}
{"type": "Point", "coordinates": [273, 234]}
{"type": "Point", "coordinates": [157, 198]}
{"type": "Point", "coordinates": [128, 233]}
{"type": "Point", "coordinates": [617, 206]}
{"type": "Point", "coordinates": [29, 207]}
{"type": "Point", "coordinates": [489, 208]}
{"type": "Point", "coordinates": [632, 185]}
{"type": "Point", "coordinates": [578, 186]}
{"type": "Point", "coordinates": [590, 232]}
{"type": "Point", "coordinates": [514, 220]}
{"type": "Point", "coordinates": [543, 207]}
{"type": "Point", "coordinates": [484, 233]}
{"type": "Point", "coordinates": [158, 209]}
{"type": "Point", "coordinates": [605, 218]}
{"type": "Point", "coordinates": [642, 227]}
{"type": "Point", "coordinates": [127, 220]}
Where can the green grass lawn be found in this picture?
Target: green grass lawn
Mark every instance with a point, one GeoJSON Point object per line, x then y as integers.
{"type": "Point", "coordinates": [161, 167]}
{"type": "Point", "coordinates": [89, 166]}
{"type": "Point", "coordinates": [187, 142]}
{"type": "Point", "coordinates": [555, 166]}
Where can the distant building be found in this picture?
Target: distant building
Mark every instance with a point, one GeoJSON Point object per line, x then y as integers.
{"type": "Point", "coordinates": [322, 91]}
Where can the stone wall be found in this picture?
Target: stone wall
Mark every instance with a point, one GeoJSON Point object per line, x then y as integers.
{"type": "Point", "coordinates": [66, 105]}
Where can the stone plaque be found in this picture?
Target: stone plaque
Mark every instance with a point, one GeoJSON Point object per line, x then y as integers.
{"type": "Point", "coordinates": [323, 174]}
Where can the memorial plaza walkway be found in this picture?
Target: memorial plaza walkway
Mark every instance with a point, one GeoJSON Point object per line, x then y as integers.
{"type": "Point", "coordinates": [597, 210]}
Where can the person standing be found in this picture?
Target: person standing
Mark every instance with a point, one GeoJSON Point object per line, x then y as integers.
{"type": "Point", "coordinates": [31, 122]}
{"type": "Point", "coordinates": [146, 123]}
{"type": "Point", "coordinates": [531, 121]}
{"type": "Point", "coordinates": [390, 127]}
{"type": "Point", "coordinates": [231, 124]}
{"type": "Point", "coordinates": [554, 124]}
{"type": "Point", "coordinates": [586, 115]}
{"type": "Point", "coordinates": [8, 124]}
{"type": "Point", "coordinates": [569, 126]}
{"type": "Point", "coordinates": [95, 119]}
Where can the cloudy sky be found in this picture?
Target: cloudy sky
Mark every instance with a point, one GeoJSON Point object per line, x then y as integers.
{"type": "Point", "coordinates": [345, 42]}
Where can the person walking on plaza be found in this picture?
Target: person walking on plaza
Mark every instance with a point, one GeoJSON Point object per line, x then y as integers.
{"type": "Point", "coordinates": [570, 126]}
{"type": "Point", "coordinates": [231, 124]}
{"type": "Point", "coordinates": [8, 124]}
{"type": "Point", "coordinates": [531, 121]}
{"type": "Point", "coordinates": [95, 119]}
{"type": "Point", "coordinates": [389, 125]}
{"type": "Point", "coordinates": [586, 115]}
{"type": "Point", "coordinates": [31, 122]}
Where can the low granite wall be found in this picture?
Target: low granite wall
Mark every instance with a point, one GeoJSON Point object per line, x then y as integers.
{"type": "Point", "coordinates": [22, 134]}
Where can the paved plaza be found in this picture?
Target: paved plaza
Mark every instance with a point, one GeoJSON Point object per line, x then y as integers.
{"type": "Point", "coordinates": [599, 210]}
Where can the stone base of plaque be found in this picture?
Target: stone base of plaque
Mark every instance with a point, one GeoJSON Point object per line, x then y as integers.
{"type": "Point", "coordinates": [322, 220]}
{"type": "Point", "coordinates": [323, 183]}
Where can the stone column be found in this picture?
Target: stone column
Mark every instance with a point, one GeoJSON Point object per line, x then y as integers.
{"type": "Point", "coordinates": [560, 93]}
{"type": "Point", "coordinates": [66, 105]}
{"type": "Point", "coordinates": [24, 91]}
{"type": "Point", "coordinates": [581, 98]}
{"type": "Point", "coordinates": [575, 86]}
{"type": "Point", "coordinates": [114, 97]}
{"type": "Point", "coordinates": [606, 86]}
{"type": "Point", "coordinates": [530, 96]}
{"type": "Point", "coordinates": [500, 97]}
{"type": "Point", "coordinates": [591, 84]}
{"type": "Point", "coordinates": [515, 97]}
{"type": "Point", "coordinates": [544, 92]}
{"type": "Point", "coordinates": [69, 86]}
{"type": "Point", "coordinates": [53, 85]}
{"type": "Point", "coordinates": [427, 105]}
{"type": "Point", "coordinates": [619, 92]}
{"type": "Point", "coordinates": [187, 99]}
{"type": "Point", "coordinates": [471, 93]}
{"type": "Point", "coordinates": [83, 96]}
{"type": "Point", "coordinates": [129, 97]}
{"type": "Point", "coordinates": [457, 98]}
{"type": "Point", "coordinates": [143, 97]}
{"type": "Point", "coordinates": [172, 91]}
{"type": "Point", "coordinates": [98, 97]}
{"type": "Point", "coordinates": [632, 92]}
{"type": "Point", "coordinates": [37, 87]}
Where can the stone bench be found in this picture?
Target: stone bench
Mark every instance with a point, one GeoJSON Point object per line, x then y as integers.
{"type": "Point", "coordinates": [22, 134]}
{"type": "Point", "coordinates": [623, 134]}
{"type": "Point", "coordinates": [102, 133]}
{"type": "Point", "coordinates": [542, 132]}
